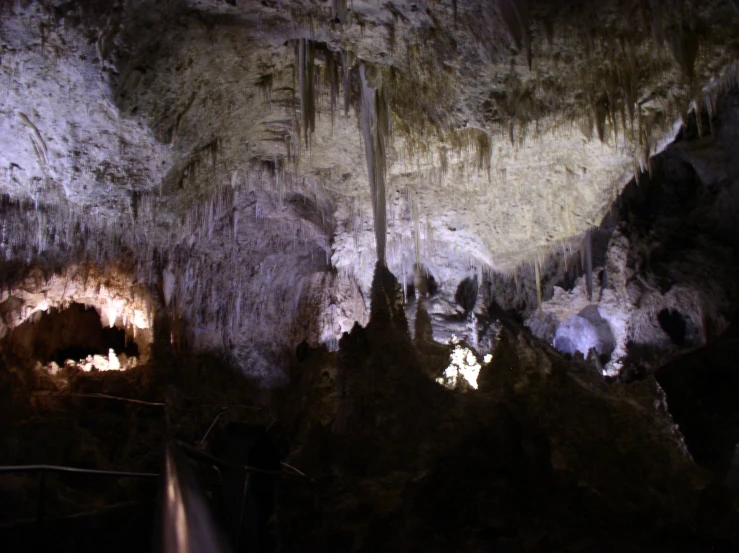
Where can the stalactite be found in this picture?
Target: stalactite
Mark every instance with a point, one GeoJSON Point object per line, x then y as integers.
{"type": "Point", "coordinates": [345, 83]}
{"type": "Point", "coordinates": [683, 44]}
{"type": "Point", "coordinates": [416, 229]}
{"type": "Point", "coordinates": [589, 264]}
{"type": "Point", "coordinates": [537, 271]}
{"type": "Point", "coordinates": [698, 117]}
{"type": "Point", "coordinates": [711, 112]}
{"type": "Point", "coordinates": [657, 22]}
{"type": "Point", "coordinates": [338, 10]}
{"type": "Point", "coordinates": [443, 162]}
{"type": "Point", "coordinates": [375, 124]}
{"type": "Point", "coordinates": [483, 148]}
{"type": "Point", "coordinates": [600, 109]}
{"type": "Point", "coordinates": [333, 61]}
{"type": "Point", "coordinates": [180, 117]}
{"type": "Point", "coordinates": [515, 15]}
{"type": "Point", "coordinates": [549, 31]}
{"type": "Point", "coordinates": [305, 54]}
{"type": "Point", "coordinates": [213, 149]}
{"type": "Point", "coordinates": [38, 142]}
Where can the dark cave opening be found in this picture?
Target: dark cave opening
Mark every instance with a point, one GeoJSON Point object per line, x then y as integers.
{"type": "Point", "coordinates": [466, 295]}
{"type": "Point", "coordinates": [673, 323]}
{"type": "Point", "coordinates": [701, 388]}
{"type": "Point", "coordinates": [71, 333]}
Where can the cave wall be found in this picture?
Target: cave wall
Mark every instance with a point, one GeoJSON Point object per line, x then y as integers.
{"type": "Point", "coordinates": [669, 280]}
{"type": "Point", "coordinates": [233, 177]}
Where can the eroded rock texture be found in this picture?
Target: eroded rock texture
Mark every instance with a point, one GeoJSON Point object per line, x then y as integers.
{"type": "Point", "coordinates": [668, 278]}
{"type": "Point", "coordinates": [218, 145]}
{"type": "Point", "coordinates": [268, 230]}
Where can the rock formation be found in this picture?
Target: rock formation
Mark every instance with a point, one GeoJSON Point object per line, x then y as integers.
{"type": "Point", "coordinates": [277, 227]}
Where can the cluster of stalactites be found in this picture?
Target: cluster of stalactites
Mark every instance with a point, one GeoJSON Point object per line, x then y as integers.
{"type": "Point", "coordinates": [575, 256]}
{"type": "Point", "coordinates": [252, 195]}
{"type": "Point", "coordinates": [312, 77]}
{"type": "Point", "coordinates": [217, 294]}
{"type": "Point", "coordinates": [474, 143]}
{"type": "Point", "coordinates": [673, 23]}
{"type": "Point", "coordinates": [619, 93]}
{"type": "Point", "coordinates": [212, 238]}
{"type": "Point", "coordinates": [55, 233]}
{"type": "Point", "coordinates": [231, 242]}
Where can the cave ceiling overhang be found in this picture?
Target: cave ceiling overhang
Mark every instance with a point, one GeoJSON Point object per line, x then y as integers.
{"type": "Point", "coordinates": [514, 124]}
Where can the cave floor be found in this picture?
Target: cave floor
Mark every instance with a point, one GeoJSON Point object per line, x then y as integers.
{"type": "Point", "coordinates": [375, 455]}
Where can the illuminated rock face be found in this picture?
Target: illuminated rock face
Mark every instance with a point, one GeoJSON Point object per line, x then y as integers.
{"type": "Point", "coordinates": [116, 299]}
{"type": "Point", "coordinates": [665, 284]}
{"type": "Point", "coordinates": [217, 146]}
{"type": "Point", "coordinates": [584, 334]}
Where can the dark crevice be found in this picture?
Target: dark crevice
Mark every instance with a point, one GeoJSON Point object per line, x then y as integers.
{"type": "Point", "coordinates": [673, 323]}
{"type": "Point", "coordinates": [702, 387]}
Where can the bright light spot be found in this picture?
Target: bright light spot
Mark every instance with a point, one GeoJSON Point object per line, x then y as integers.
{"type": "Point", "coordinates": [488, 358]}
{"type": "Point", "coordinates": [462, 364]}
{"type": "Point", "coordinates": [140, 319]}
{"type": "Point", "coordinates": [113, 363]}
{"type": "Point", "coordinates": [99, 362]}
{"type": "Point", "coordinates": [112, 311]}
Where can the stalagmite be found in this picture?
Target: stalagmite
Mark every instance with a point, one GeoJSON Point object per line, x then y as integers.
{"type": "Point", "coordinates": [375, 125]}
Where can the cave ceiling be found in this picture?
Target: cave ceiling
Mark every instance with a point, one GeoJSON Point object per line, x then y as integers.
{"type": "Point", "coordinates": [216, 145]}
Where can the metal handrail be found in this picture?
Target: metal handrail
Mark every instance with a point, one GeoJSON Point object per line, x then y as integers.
{"type": "Point", "coordinates": [59, 468]}
{"type": "Point", "coordinates": [99, 396]}
{"type": "Point", "coordinates": [249, 473]}
{"type": "Point", "coordinates": [44, 469]}
{"type": "Point", "coordinates": [187, 525]}
{"type": "Point", "coordinates": [186, 522]}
